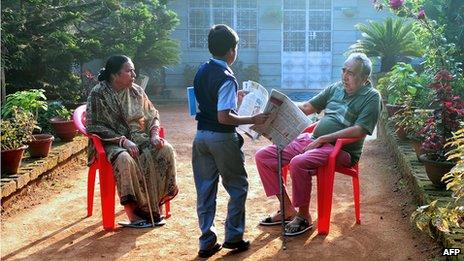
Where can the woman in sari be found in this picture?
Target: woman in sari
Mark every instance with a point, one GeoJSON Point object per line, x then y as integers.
{"type": "Point", "coordinates": [120, 113]}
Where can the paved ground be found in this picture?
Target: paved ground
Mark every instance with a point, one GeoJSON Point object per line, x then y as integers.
{"type": "Point", "coordinates": [49, 223]}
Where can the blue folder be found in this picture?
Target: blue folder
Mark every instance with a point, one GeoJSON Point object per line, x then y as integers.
{"type": "Point", "coordinates": [192, 102]}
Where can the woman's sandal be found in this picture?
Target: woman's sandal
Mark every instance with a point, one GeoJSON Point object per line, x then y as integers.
{"type": "Point", "coordinates": [297, 226]}
{"type": "Point", "coordinates": [267, 221]}
{"type": "Point", "coordinates": [135, 224]}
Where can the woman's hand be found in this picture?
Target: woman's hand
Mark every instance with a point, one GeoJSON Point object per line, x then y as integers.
{"type": "Point", "coordinates": [131, 147]}
{"type": "Point", "coordinates": [157, 142]}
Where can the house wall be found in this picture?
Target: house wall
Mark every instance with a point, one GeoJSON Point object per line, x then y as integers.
{"type": "Point", "coordinates": [267, 54]}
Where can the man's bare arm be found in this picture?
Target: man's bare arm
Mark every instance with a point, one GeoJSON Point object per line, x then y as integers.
{"type": "Point", "coordinates": [307, 108]}
{"type": "Point", "coordinates": [350, 132]}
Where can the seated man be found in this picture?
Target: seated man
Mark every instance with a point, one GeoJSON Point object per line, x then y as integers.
{"type": "Point", "coordinates": [352, 109]}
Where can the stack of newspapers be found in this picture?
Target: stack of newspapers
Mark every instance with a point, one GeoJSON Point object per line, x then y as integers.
{"type": "Point", "coordinates": [286, 121]}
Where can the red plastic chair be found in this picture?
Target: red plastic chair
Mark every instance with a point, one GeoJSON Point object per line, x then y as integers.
{"type": "Point", "coordinates": [105, 170]}
{"type": "Point", "coordinates": [325, 182]}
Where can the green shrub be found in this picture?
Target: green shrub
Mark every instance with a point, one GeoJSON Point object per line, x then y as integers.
{"type": "Point", "coordinates": [17, 130]}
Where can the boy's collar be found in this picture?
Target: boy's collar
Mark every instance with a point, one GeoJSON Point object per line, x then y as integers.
{"type": "Point", "coordinates": [220, 62]}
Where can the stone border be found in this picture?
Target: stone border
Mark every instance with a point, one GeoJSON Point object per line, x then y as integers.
{"type": "Point", "coordinates": [422, 187]}
{"type": "Point", "coordinates": [32, 169]}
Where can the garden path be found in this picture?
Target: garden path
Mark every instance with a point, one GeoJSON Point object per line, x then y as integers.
{"type": "Point", "coordinates": [51, 223]}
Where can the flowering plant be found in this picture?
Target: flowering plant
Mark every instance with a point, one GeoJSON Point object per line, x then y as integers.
{"type": "Point", "coordinates": [451, 215]}
{"type": "Point", "coordinates": [448, 113]}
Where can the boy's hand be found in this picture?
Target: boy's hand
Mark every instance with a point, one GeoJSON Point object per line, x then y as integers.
{"type": "Point", "coordinates": [260, 118]}
{"type": "Point", "coordinates": [240, 95]}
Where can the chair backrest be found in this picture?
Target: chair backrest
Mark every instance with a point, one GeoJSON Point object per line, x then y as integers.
{"type": "Point", "coordinates": [311, 127]}
{"type": "Point", "coordinates": [79, 119]}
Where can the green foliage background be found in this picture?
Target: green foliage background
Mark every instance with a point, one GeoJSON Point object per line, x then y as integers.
{"type": "Point", "coordinates": [45, 42]}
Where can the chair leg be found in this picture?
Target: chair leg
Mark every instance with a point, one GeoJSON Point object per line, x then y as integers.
{"type": "Point", "coordinates": [285, 173]}
{"type": "Point", "coordinates": [326, 192]}
{"type": "Point", "coordinates": [356, 194]}
{"type": "Point", "coordinates": [107, 190]}
{"type": "Point", "coordinates": [91, 188]}
{"type": "Point", "coordinates": [167, 207]}
{"type": "Point", "coordinates": [321, 198]}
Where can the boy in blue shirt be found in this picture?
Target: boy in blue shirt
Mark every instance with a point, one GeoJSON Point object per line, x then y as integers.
{"type": "Point", "coordinates": [216, 148]}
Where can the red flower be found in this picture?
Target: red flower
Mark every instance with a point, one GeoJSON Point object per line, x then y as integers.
{"type": "Point", "coordinates": [443, 75]}
{"type": "Point", "coordinates": [421, 14]}
{"type": "Point", "coordinates": [396, 4]}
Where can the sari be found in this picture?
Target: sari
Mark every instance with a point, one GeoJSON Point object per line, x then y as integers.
{"type": "Point", "coordinates": [129, 113]}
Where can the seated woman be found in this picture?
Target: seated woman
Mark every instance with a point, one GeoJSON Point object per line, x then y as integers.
{"type": "Point", "coordinates": [144, 165]}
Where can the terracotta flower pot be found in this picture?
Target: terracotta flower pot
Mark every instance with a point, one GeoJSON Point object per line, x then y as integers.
{"type": "Point", "coordinates": [11, 160]}
{"type": "Point", "coordinates": [417, 146]}
{"type": "Point", "coordinates": [65, 130]}
{"type": "Point", "coordinates": [392, 109]}
{"type": "Point", "coordinates": [40, 146]}
{"type": "Point", "coordinates": [436, 169]}
{"type": "Point", "coordinates": [401, 133]}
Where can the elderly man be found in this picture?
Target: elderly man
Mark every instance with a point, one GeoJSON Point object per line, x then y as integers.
{"type": "Point", "coordinates": [352, 109]}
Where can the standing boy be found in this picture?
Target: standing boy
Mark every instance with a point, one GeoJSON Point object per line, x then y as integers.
{"type": "Point", "coordinates": [217, 146]}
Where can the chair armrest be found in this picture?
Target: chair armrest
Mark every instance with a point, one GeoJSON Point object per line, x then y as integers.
{"type": "Point", "coordinates": [340, 143]}
{"type": "Point", "coordinates": [98, 145]}
{"type": "Point", "coordinates": [310, 128]}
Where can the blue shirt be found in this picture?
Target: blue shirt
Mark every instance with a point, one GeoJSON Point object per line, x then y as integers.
{"type": "Point", "coordinates": [227, 97]}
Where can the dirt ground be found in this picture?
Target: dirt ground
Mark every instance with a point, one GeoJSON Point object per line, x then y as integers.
{"type": "Point", "coordinates": [48, 223]}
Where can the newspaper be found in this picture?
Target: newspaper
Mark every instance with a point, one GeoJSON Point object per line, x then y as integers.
{"type": "Point", "coordinates": [253, 103]}
{"type": "Point", "coordinates": [286, 120]}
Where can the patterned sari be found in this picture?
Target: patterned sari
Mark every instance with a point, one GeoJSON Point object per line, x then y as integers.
{"type": "Point", "coordinates": [128, 112]}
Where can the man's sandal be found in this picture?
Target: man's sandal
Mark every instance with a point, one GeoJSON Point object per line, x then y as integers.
{"type": "Point", "coordinates": [297, 226]}
{"type": "Point", "coordinates": [267, 221]}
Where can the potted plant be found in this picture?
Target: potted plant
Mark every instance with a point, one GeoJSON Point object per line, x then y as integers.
{"type": "Point", "coordinates": [409, 121]}
{"type": "Point", "coordinates": [399, 84]}
{"type": "Point", "coordinates": [33, 101]}
{"type": "Point", "coordinates": [392, 40]}
{"type": "Point", "coordinates": [446, 117]}
{"type": "Point", "coordinates": [16, 131]}
{"type": "Point", "coordinates": [449, 216]}
{"type": "Point", "coordinates": [61, 122]}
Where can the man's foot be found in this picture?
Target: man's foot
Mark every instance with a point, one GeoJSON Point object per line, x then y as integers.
{"type": "Point", "coordinates": [298, 226]}
{"type": "Point", "coordinates": [209, 252]}
{"type": "Point", "coordinates": [239, 246]}
{"type": "Point", "coordinates": [275, 219]}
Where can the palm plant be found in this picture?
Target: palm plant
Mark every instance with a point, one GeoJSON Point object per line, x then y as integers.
{"type": "Point", "coordinates": [392, 40]}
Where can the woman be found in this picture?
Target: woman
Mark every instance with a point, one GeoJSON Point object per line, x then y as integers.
{"type": "Point", "coordinates": [120, 113]}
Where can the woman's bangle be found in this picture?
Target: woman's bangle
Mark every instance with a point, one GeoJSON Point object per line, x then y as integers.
{"type": "Point", "coordinates": [154, 130]}
{"type": "Point", "coordinates": [121, 141]}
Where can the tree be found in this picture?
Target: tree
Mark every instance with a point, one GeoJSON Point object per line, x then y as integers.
{"type": "Point", "coordinates": [392, 40]}
{"type": "Point", "coordinates": [45, 42]}
{"type": "Point", "coordinates": [450, 15]}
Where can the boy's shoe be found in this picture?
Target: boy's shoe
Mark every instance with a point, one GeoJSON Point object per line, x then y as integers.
{"type": "Point", "coordinates": [209, 252]}
{"type": "Point", "coordinates": [239, 246]}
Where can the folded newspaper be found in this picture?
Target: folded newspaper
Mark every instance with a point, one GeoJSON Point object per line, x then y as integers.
{"type": "Point", "coordinates": [253, 103]}
{"type": "Point", "coordinates": [286, 121]}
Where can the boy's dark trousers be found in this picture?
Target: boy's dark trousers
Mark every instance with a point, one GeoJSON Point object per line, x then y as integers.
{"type": "Point", "coordinates": [217, 154]}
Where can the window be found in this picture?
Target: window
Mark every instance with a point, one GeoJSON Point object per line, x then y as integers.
{"type": "Point", "coordinates": [239, 14]}
{"type": "Point", "coordinates": [307, 23]}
